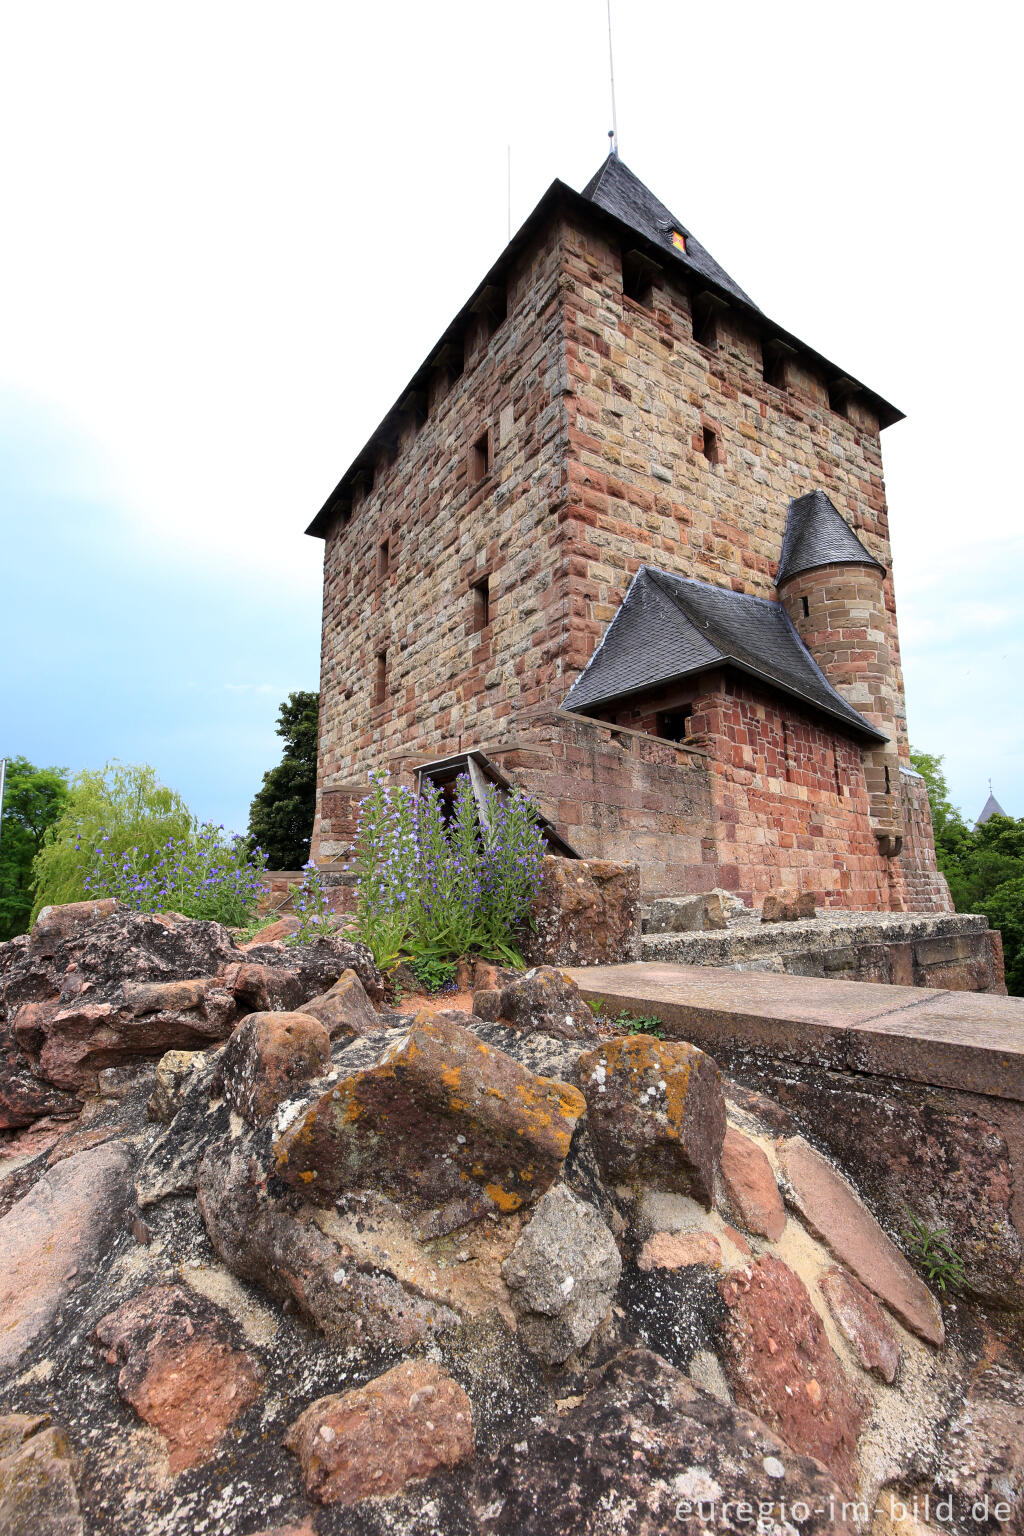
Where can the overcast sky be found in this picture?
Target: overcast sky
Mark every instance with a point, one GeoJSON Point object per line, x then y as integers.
{"type": "Point", "coordinates": [232, 231]}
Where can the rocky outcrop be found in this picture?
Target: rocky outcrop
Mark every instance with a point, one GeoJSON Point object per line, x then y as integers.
{"type": "Point", "coordinates": [545, 1001]}
{"type": "Point", "coordinates": [656, 1113]}
{"type": "Point", "coordinates": [54, 1241]}
{"type": "Point", "coordinates": [836, 1214]}
{"type": "Point", "coordinates": [587, 912]}
{"type": "Point", "coordinates": [38, 1496]}
{"type": "Point", "coordinates": [446, 1125]}
{"type": "Point", "coordinates": [182, 1368]}
{"type": "Point", "coordinates": [371, 1442]}
{"type": "Point", "coordinates": [646, 1451]}
{"type": "Point", "coordinates": [562, 1274]}
{"type": "Point", "coordinates": [782, 1367]}
{"type": "Point", "coordinates": [268, 1058]}
{"type": "Point", "coordinates": [357, 1243]}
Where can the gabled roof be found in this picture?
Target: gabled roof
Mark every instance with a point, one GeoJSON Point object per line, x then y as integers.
{"type": "Point", "coordinates": [992, 808]}
{"type": "Point", "coordinates": [615, 189]}
{"type": "Point", "coordinates": [670, 627]}
{"type": "Point", "coordinates": [817, 534]}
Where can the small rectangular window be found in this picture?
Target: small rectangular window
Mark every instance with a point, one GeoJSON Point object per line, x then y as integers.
{"type": "Point", "coordinates": [380, 682]}
{"type": "Point", "coordinates": [480, 592]}
{"type": "Point", "coordinates": [639, 275]}
{"type": "Point", "coordinates": [805, 607]}
{"type": "Point", "coordinates": [711, 450]}
{"type": "Point", "coordinates": [384, 557]}
{"type": "Point", "coordinates": [673, 724]}
{"type": "Point", "coordinates": [705, 321]}
{"type": "Point", "coordinates": [480, 458]}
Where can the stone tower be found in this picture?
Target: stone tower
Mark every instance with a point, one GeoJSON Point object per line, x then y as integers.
{"type": "Point", "coordinates": [613, 454]}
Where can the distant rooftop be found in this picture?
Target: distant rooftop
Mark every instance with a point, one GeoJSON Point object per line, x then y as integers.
{"type": "Point", "coordinates": [670, 627]}
{"type": "Point", "coordinates": [991, 808]}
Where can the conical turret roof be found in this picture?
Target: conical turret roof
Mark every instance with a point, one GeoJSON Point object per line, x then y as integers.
{"type": "Point", "coordinates": [817, 534]}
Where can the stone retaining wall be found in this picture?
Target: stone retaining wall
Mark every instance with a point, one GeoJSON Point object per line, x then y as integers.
{"type": "Point", "coordinates": [958, 953]}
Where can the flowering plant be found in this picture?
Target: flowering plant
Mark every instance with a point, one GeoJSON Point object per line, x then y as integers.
{"type": "Point", "coordinates": [440, 886]}
{"type": "Point", "coordinates": [204, 874]}
{"type": "Point", "coordinates": [316, 919]}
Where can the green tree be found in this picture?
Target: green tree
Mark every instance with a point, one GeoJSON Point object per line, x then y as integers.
{"type": "Point", "coordinates": [281, 815]}
{"type": "Point", "coordinates": [1004, 909]}
{"type": "Point", "coordinates": [945, 815]}
{"type": "Point", "coordinates": [127, 805]}
{"type": "Point", "coordinates": [33, 800]}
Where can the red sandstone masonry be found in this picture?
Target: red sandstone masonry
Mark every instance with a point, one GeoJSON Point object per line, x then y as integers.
{"type": "Point", "coordinates": [596, 411]}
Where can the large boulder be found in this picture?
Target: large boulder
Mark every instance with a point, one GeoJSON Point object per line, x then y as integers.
{"type": "Point", "coordinates": [269, 1057]}
{"type": "Point", "coordinates": [656, 1113]}
{"type": "Point", "coordinates": [183, 1368]}
{"type": "Point", "coordinates": [372, 1441]}
{"type": "Point", "coordinates": [562, 1274]}
{"type": "Point", "coordinates": [444, 1124]}
{"type": "Point", "coordinates": [263, 1234]}
{"type": "Point", "coordinates": [782, 1367]}
{"type": "Point", "coordinates": [290, 974]}
{"type": "Point", "coordinates": [93, 994]}
{"type": "Point", "coordinates": [55, 1240]}
{"type": "Point", "coordinates": [645, 1451]}
{"type": "Point", "coordinates": [587, 912]}
{"type": "Point", "coordinates": [546, 1001]}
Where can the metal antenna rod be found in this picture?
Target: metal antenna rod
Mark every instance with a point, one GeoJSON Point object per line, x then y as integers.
{"type": "Point", "coordinates": [611, 71]}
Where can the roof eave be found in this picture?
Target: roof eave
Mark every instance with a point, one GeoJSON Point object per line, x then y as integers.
{"type": "Point", "coordinates": [861, 729]}
{"type": "Point", "coordinates": [555, 195]}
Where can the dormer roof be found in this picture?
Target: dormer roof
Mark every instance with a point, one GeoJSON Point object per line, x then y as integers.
{"type": "Point", "coordinates": [817, 534]}
{"type": "Point", "coordinates": [622, 194]}
{"type": "Point", "coordinates": [670, 627]}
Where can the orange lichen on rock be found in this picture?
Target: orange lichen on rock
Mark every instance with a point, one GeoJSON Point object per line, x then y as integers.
{"type": "Point", "coordinates": [400, 1126]}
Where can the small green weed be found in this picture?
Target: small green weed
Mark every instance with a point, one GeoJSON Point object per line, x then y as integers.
{"type": "Point", "coordinates": [930, 1246]}
{"type": "Point", "coordinates": [433, 973]}
{"type": "Point", "coordinates": [626, 1023]}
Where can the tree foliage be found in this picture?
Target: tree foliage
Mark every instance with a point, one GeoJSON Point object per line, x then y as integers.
{"type": "Point", "coordinates": [126, 803]}
{"type": "Point", "coordinates": [984, 866]}
{"type": "Point", "coordinates": [33, 800]}
{"type": "Point", "coordinates": [281, 815]}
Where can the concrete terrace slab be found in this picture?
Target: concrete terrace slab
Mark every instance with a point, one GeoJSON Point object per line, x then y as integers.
{"type": "Point", "coordinates": [967, 1040]}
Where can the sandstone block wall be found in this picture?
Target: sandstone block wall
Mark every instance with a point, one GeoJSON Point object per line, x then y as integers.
{"type": "Point", "coordinates": [568, 435]}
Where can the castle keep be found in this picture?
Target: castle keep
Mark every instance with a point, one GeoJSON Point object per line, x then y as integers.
{"type": "Point", "coordinates": [628, 537]}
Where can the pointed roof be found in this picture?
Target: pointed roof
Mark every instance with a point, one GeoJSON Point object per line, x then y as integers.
{"type": "Point", "coordinates": [992, 808]}
{"type": "Point", "coordinates": [669, 627]}
{"type": "Point", "coordinates": [817, 534]}
{"type": "Point", "coordinates": [622, 194]}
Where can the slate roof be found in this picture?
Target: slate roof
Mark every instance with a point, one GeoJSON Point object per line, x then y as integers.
{"type": "Point", "coordinates": [620, 199]}
{"type": "Point", "coordinates": [817, 534]}
{"type": "Point", "coordinates": [670, 627]}
{"type": "Point", "coordinates": [615, 189]}
{"type": "Point", "coordinates": [992, 808]}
